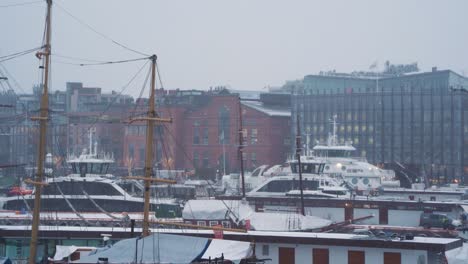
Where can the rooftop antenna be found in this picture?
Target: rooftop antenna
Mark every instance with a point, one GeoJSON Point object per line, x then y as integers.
{"type": "Point", "coordinates": [333, 139]}
{"type": "Point", "coordinates": [91, 131]}
{"type": "Point", "coordinates": [241, 149]}
{"type": "Point", "coordinates": [298, 156]}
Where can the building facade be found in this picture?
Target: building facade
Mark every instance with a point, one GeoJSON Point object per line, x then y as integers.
{"type": "Point", "coordinates": [417, 122]}
{"type": "Point", "coordinates": [204, 133]}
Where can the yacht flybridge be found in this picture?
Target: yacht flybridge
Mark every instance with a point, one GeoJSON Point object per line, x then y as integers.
{"type": "Point", "coordinates": [315, 183]}
{"type": "Point", "coordinates": [91, 163]}
{"type": "Point", "coordinates": [356, 171]}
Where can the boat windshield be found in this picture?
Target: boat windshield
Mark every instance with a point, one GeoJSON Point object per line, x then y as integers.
{"type": "Point", "coordinates": [334, 153]}
{"type": "Point", "coordinates": [307, 168]}
{"type": "Point", "coordinates": [84, 168]}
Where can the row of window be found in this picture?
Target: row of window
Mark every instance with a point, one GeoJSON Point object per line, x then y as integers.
{"type": "Point", "coordinates": [200, 136]}
{"type": "Point", "coordinates": [286, 255]}
{"type": "Point", "coordinates": [225, 224]}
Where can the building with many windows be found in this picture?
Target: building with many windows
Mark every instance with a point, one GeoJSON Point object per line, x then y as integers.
{"type": "Point", "coordinates": [204, 133]}
{"type": "Point", "coordinates": [414, 122]}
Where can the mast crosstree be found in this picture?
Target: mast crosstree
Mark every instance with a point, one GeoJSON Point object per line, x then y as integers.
{"type": "Point", "coordinates": [148, 170]}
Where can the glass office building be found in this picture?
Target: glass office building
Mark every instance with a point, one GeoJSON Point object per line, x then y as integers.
{"type": "Point", "coordinates": [416, 121]}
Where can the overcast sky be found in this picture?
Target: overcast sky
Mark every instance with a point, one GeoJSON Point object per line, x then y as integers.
{"type": "Point", "coordinates": [245, 44]}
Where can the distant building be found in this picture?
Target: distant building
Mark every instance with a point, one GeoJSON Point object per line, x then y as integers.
{"type": "Point", "coordinates": [204, 133]}
{"type": "Point", "coordinates": [7, 121]}
{"type": "Point", "coordinates": [416, 122]}
{"type": "Point", "coordinates": [89, 107]}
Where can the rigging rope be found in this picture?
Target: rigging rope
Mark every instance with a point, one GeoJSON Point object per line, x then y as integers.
{"type": "Point", "coordinates": [99, 33]}
{"type": "Point", "coordinates": [103, 62]}
{"type": "Point", "coordinates": [115, 98]}
{"type": "Point", "coordinates": [70, 205]}
{"type": "Point", "coordinates": [98, 206]}
{"type": "Point", "coordinates": [18, 54]}
{"type": "Point", "coordinates": [21, 4]}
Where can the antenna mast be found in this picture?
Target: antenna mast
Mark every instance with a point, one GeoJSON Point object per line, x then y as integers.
{"type": "Point", "coordinates": [299, 169]}
{"type": "Point", "coordinates": [241, 149]}
{"type": "Point", "coordinates": [44, 112]}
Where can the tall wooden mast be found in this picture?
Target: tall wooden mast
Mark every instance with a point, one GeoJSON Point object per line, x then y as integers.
{"type": "Point", "coordinates": [241, 149]}
{"type": "Point", "coordinates": [150, 121]}
{"type": "Point", "coordinates": [149, 147]}
{"type": "Point", "coordinates": [44, 112]}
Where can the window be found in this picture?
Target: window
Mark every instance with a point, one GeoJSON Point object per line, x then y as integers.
{"type": "Point", "coordinates": [392, 258]}
{"type": "Point", "coordinates": [320, 256]}
{"type": "Point", "coordinates": [244, 135]}
{"type": "Point", "coordinates": [205, 136]}
{"type": "Point", "coordinates": [223, 125]}
{"type": "Point", "coordinates": [253, 136]}
{"type": "Point", "coordinates": [226, 224]}
{"type": "Point", "coordinates": [206, 160]}
{"type": "Point", "coordinates": [265, 250]}
{"type": "Point", "coordinates": [201, 223]}
{"type": "Point", "coordinates": [214, 223]}
{"type": "Point", "coordinates": [356, 257]}
{"type": "Point", "coordinates": [196, 160]}
{"type": "Point", "coordinates": [196, 136]}
{"type": "Point", "coordinates": [254, 158]}
{"type": "Point", "coordinates": [131, 151]}
{"type": "Point", "coordinates": [142, 155]}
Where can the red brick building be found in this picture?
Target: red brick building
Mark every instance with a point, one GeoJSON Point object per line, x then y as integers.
{"type": "Point", "coordinates": [204, 132]}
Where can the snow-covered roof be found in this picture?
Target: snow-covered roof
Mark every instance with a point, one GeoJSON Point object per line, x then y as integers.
{"type": "Point", "coordinates": [65, 251]}
{"type": "Point", "coordinates": [282, 222]}
{"type": "Point", "coordinates": [232, 250]}
{"type": "Point", "coordinates": [165, 248]}
{"type": "Point", "coordinates": [267, 110]}
{"type": "Point", "coordinates": [423, 243]}
{"type": "Point", "coordinates": [217, 210]}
